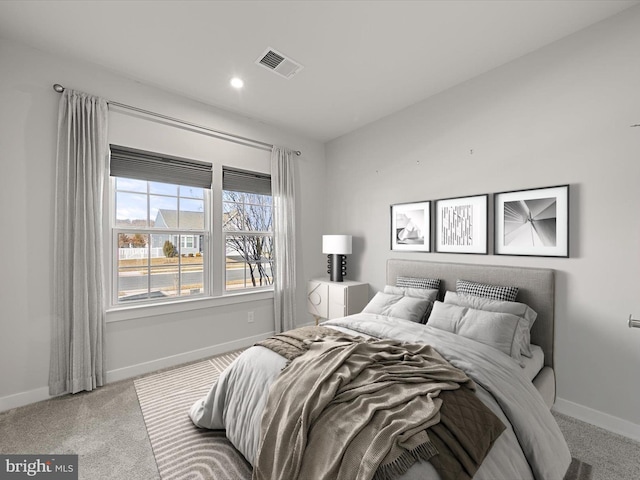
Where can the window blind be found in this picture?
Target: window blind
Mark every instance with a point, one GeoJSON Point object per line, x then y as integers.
{"type": "Point", "coordinates": [248, 182]}
{"type": "Point", "coordinates": [142, 165]}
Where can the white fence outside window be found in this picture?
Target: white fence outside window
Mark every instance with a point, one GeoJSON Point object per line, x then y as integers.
{"type": "Point", "coordinates": [132, 253]}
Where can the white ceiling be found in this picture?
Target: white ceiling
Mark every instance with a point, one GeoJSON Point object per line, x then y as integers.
{"type": "Point", "coordinates": [362, 59]}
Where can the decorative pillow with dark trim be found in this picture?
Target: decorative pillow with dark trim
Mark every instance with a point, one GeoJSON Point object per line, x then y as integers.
{"type": "Point", "coordinates": [490, 305]}
{"type": "Point", "coordinates": [501, 331]}
{"type": "Point", "coordinates": [485, 290]}
{"type": "Point", "coordinates": [415, 282]}
{"type": "Point", "coordinates": [425, 293]}
{"type": "Point", "coordinates": [398, 306]}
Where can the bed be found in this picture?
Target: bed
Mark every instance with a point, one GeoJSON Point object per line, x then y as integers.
{"type": "Point", "coordinates": [529, 444]}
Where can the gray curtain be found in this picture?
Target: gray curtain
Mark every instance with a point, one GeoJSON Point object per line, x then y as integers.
{"type": "Point", "coordinates": [77, 334]}
{"type": "Point", "coordinates": [284, 199]}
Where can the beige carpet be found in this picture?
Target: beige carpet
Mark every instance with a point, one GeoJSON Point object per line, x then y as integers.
{"type": "Point", "coordinates": [183, 451]}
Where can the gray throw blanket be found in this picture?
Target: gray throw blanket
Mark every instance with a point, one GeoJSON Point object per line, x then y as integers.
{"type": "Point", "coordinates": [293, 343]}
{"type": "Point", "coordinates": [352, 409]}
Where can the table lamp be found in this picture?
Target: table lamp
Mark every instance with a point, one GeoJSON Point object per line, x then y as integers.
{"type": "Point", "coordinates": [336, 247]}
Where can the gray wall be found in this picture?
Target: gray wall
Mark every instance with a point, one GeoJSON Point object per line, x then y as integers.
{"type": "Point", "coordinates": [137, 341]}
{"type": "Point", "coordinates": [559, 115]}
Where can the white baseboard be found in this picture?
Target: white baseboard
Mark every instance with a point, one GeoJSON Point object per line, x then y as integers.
{"type": "Point", "coordinates": [173, 360]}
{"type": "Point", "coordinates": [38, 394]}
{"type": "Point", "coordinates": [598, 418]}
{"type": "Point", "coordinates": [24, 398]}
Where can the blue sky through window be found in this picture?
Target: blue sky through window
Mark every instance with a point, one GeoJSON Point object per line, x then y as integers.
{"type": "Point", "coordinates": [138, 201]}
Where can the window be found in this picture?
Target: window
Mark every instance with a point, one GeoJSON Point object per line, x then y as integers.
{"type": "Point", "coordinates": [160, 228]}
{"type": "Point", "coordinates": [161, 236]}
{"type": "Point", "coordinates": [247, 226]}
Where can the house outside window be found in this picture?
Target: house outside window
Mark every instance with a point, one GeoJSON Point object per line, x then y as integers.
{"type": "Point", "coordinates": [247, 225]}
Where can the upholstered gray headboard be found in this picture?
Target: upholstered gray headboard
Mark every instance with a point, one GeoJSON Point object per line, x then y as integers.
{"type": "Point", "coordinates": [536, 288]}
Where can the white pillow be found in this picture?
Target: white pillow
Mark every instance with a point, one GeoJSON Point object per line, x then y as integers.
{"type": "Point", "coordinates": [501, 306]}
{"type": "Point", "coordinates": [502, 331]}
{"type": "Point", "coordinates": [399, 306]}
{"type": "Point", "coordinates": [424, 293]}
{"type": "Point", "coordinates": [446, 317]}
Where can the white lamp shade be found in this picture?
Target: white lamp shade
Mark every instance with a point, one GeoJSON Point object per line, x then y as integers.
{"type": "Point", "coordinates": [336, 244]}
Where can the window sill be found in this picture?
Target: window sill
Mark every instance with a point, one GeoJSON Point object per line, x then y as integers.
{"type": "Point", "coordinates": [117, 314]}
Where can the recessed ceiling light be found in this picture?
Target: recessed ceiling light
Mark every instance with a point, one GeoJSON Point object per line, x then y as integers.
{"type": "Point", "coordinates": [237, 82]}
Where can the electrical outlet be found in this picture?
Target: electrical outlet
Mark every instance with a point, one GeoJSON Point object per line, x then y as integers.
{"type": "Point", "coordinates": [250, 317]}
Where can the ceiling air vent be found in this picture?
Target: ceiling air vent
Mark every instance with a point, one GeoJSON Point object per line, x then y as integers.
{"type": "Point", "coordinates": [279, 63]}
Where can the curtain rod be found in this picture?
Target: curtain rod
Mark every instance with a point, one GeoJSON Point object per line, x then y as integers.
{"type": "Point", "coordinates": [256, 143]}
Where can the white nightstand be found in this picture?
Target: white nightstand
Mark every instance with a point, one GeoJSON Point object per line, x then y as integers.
{"type": "Point", "coordinates": [326, 299]}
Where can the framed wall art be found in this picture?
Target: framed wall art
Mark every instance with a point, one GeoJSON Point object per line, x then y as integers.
{"type": "Point", "coordinates": [411, 227]}
{"type": "Point", "coordinates": [532, 222]}
{"type": "Point", "coordinates": [462, 224]}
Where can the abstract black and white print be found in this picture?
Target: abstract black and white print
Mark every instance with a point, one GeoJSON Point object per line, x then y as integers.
{"type": "Point", "coordinates": [411, 227]}
{"type": "Point", "coordinates": [532, 222]}
{"type": "Point", "coordinates": [461, 224]}
{"type": "Point", "coordinates": [457, 225]}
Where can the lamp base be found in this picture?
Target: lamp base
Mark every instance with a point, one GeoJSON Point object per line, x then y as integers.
{"type": "Point", "coordinates": [336, 267]}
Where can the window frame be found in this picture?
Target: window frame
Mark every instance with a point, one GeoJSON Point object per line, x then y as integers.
{"type": "Point", "coordinates": [115, 230]}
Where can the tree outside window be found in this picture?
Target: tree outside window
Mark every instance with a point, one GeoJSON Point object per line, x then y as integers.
{"type": "Point", "coordinates": [248, 230]}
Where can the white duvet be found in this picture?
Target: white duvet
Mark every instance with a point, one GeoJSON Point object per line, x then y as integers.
{"type": "Point", "coordinates": [531, 447]}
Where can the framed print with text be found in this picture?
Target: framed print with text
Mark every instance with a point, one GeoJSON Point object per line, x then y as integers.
{"type": "Point", "coordinates": [411, 227]}
{"type": "Point", "coordinates": [532, 222]}
{"type": "Point", "coordinates": [462, 224]}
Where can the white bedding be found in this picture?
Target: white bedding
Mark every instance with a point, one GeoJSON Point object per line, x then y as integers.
{"type": "Point", "coordinates": [532, 445]}
{"type": "Point", "coordinates": [533, 365]}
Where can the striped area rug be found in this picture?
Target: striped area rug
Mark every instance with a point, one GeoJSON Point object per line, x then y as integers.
{"type": "Point", "coordinates": [183, 451]}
